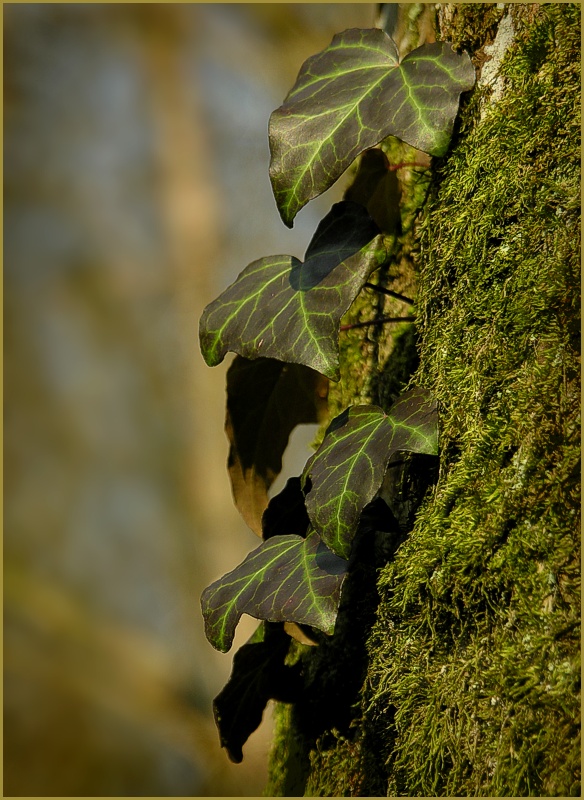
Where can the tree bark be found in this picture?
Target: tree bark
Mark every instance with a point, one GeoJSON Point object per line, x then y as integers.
{"type": "Point", "coordinates": [454, 667]}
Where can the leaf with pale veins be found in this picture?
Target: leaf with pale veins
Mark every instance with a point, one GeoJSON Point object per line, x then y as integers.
{"type": "Point", "coordinates": [350, 97]}
{"type": "Point", "coordinates": [282, 308]}
{"type": "Point", "coordinates": [285, 579]}
{"type": "Point", "coordinates": [348, 469]}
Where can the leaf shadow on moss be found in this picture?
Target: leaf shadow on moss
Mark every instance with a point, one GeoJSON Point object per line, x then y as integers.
{"type": "Point", "coordinates": [333, 672]}
{"type": "Point", "coordinates": [390, 381]}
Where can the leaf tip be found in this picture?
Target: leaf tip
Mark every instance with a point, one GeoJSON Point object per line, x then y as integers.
{"type": "Point", "coordinates": [285, 208]}
{"type": "Point", "coordinates": [209, 341]}
{"type": "Point", "coordinates": [210, 357]}
{"type": "Point", "coordinates": [218, 637]}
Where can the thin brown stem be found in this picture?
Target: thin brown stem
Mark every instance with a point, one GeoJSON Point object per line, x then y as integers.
{"type": "Point", "coordinates": [394, 167]}
{"type": "Point", "coordinates": [390, 293]}
{"type": "Point", "coordinates": [379, 321]}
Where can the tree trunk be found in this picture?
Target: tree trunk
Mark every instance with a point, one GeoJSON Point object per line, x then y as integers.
{"type": "Point", "coordinates": [454, 667]}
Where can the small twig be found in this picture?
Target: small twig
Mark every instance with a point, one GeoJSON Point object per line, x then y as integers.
{"type": "Point", "coordinates": [394, 167]}
{"type": "Point", "coordinates": [379, 321]}
{"type": "Point", "coordinates": [390, 293]}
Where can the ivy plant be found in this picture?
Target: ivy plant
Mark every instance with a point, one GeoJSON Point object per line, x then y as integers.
{"type": "Point", "coordinates": [282, 317]}
{"type": "Point", "coordinates": [352, 96]}
{"type": "Point", "coordinates": [266, 400]}
{"type": "Point", "coordinates": [346, 472]}
{"type": "Point", "coordinates": [291, 310]}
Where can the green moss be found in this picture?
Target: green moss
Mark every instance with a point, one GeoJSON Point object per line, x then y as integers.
{"type": "Point", "coordinates": [470, 27]}
{"type": "Point", "coordinates": [476, 648]}
{"type": "Point", "coordinates": [333, 770]}
{"type": "Point", "coordinates": [288, 765]}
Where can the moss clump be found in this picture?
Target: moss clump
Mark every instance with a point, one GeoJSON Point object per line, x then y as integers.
{"type": "Point", "coordinates": [475, 668]}
{"type": "Point", "coordinates": [289, 756]}
{"type": "Point", "coordinates": [470, 27]}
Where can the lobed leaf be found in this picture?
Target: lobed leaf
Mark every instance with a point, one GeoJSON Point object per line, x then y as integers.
{"type": "Point", "coordinates": [282, 308]}
{"type": "Point", "coordinates": [350, 97]}
{"type": "Point", "coordinates": [348, 469]}
{"type": "Point", "coordinates": [286, 579]}
{"type": "Point", "coordinates": [259, 674]}
{"type": "Point", "coordinates": [266, 400]}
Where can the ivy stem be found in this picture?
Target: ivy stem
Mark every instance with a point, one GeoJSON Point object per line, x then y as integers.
{"type": "Point", "coordinates": [379, 321]}
{"type": "Point", "coordinates": [390, 293]}
{"type": "Point", "coordinates": [394, 167]}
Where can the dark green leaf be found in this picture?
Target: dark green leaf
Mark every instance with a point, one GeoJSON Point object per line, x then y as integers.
{"type": "Point", "coordinates": [349, 98]}
{"type": "Point", "coordinates": [377, 188]}
{"type": "Point", "coordinates": [348, 469]}
{"type": "Point", "coordinates": [266, 399]}
{"type": "Point", "coordinates": [286, 579]}
{"type": "Point", "coordinates": [286, 512]}
{"type": "Point", "coordinates": [258, 675]}
{"type": "Point", "coordinates": [285, 309]}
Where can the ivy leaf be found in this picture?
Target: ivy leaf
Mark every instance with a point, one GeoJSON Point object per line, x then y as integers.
{"type": "Point", "coordinates": [282, 308]}
{"type": "Point", "coordinates": [377, 188]}
{"type": "Point", "coordinates": [266, 400]}
{"type": "Point", "coordinates": [258, 674]}
{"type": "Point", "coordinates": [286, 512]}
{"type": "Point", "coordinates": [349, 98]}
{"type": "Point", "coordinates": [348, 469]}
{"type": "Point", "coordinates": [286, 579]}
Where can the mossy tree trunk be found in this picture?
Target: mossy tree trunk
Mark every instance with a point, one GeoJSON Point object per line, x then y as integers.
{"type": "Point", "coordinates": [454, 668]}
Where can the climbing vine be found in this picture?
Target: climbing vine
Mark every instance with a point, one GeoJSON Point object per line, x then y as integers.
{"type": "Point", "coordinates": [282, 317]}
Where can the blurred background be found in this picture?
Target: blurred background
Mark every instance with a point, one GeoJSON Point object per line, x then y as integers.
{"type": "Point", "coordinates": [136, 188]}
